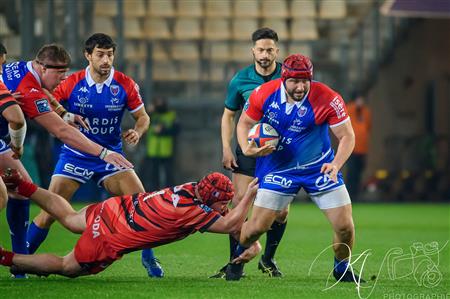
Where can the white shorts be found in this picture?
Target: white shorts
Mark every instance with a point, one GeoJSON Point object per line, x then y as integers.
{"type": "Point", "coordinates": [326, 200]}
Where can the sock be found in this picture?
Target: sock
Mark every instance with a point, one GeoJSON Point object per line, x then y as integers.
{"type": "Point", "coordinates": [6, 257]}
{"type": "Point", "coordinates": [238, 251]}
{"type": "Point", "coordinates": [340, 266]}
{"type": "Point", "coordinates": [35, 237]}
{"type": "Point", "coordinates": [274, 236]}
{"type": "Point", "coordinates": [147, 254]}
{"type": "Point", "coordinates": [17, 214]}
{"type": "Point", "coordinates": [233, 244]}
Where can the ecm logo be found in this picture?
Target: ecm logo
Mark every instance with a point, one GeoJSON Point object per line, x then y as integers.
{"type": "Point", "coordinates": [324, 181]}
{"type": "Point", "coordinates": [277, 180]}
{"type": "Point", "coordinates": [79, 171]}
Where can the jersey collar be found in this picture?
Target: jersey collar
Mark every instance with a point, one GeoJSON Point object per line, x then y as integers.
{"type": "Point", "coordinates": [91, 81]}
{"type": "Point", "coordinates": [32, 71]}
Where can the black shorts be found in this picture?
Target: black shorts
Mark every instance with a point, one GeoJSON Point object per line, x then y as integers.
{"type": "Point", "coordinates": [246, 165]}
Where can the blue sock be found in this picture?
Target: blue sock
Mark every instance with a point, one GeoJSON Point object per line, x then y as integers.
{"type": "Point", "coordinates": [17, 215]}
{"type": "Point", "coordinates": [340, 266]}
{"type": "Point", "coordinates": [35, 237]}
{"type": "Point", "coordinates": [239, 250]}
{"type": "Point", "coordinates": [147, 254]}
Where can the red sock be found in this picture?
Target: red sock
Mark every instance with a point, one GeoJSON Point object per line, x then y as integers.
{"type": "Point", "coordinates": [6, 257]}
{"type": "Point", "coordinates": [26, 188]}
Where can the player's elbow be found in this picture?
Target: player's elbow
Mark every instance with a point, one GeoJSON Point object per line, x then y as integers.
{"type": "Point", "coordinates": [63, 133]}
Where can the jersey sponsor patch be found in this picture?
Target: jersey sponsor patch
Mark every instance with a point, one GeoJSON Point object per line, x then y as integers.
{"type": "Point", "coordinates": [338, 106]}
{"type": "Point", "coordinates": [206, 208]}
{"type": "Point", "coordinates": [42, 106]}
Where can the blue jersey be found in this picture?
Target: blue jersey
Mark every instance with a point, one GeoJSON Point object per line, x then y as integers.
{"type": "Point", "coordinates": [103, 105]}
{"type": "Point", "coordinates": [303, 126]}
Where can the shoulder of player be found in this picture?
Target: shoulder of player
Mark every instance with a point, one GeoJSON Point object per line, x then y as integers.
{"type": "Point", "coordinates": [268, 88]}
{"type": "Point", "coordinates": [322, 93]}
{"type": "Point", "coordinates": [123, 79]}
{"type": "Point", "coordinates": [74, 78]}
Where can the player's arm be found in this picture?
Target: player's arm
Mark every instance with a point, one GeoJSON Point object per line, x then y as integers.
{"type": "Point", "coordinates": [250, 149]}
{"type": "Point", "coordinates": [346, 138]}
{"type": "Point", "coordinates": [227, 130]}
{"type": "Point", "coordinates": [132, 136]}
{"type": "Point", "coordinates": [232, 222]}
{"type": "Point", "coordinates": [3, 194]}
{"type": "Point", "coordinates": [17, 128]}
{"type": "Point", "coordinates": [74, 138]}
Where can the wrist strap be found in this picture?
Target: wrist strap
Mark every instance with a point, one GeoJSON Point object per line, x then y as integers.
{"type": "Point", "coordinates": [103, 153]}
{"type": "Point", "coordinates": [26, 188]}
{"type": "Point", "coordinates": [18, 136]}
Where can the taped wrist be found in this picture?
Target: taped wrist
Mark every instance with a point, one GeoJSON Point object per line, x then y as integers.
{"type": "Point", "coordinates": [18, 136]}
{"type": "Point", "coordinates": [68, 117]}
{"type": "Point", "coordinates": [105, 152]}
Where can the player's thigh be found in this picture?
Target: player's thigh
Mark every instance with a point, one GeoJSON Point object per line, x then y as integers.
{"type": "Point", "coordinates": [260, 220]}
{"type": "Point", "coordinates": [6, 160]}
{"type": "Point", "coordinates": [336, 206]}
{"type": "Point", "coordinates": [124, 182]}
{"type": "Point", "coordinates": [63, 186]}
{"type": "Point", "coordinates": [240, 184]}
{"type": "Point", "coordinates": [71, 267]}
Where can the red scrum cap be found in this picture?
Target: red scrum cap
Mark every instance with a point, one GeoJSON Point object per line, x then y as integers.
{"type": "Point", "coordinates": [297, 66]}
{"type": "Point", "coordinates": [215, 187]}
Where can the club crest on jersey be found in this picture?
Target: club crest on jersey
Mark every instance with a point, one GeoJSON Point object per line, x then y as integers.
{"type": "Point", "coordinates": [42, 106]}
{"type": "Point", "coordinates": [247, 104]}
{"type": "Point", "coordinates": [114, 89]}
{"type": "Point", "coordinates": [302, 111]}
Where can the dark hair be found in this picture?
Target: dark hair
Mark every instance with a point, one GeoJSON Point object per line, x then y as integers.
{"type": "Point", "coordinates": [99, 40]}
{"type": "Point", "coordinates": [53, 53]}
{"type": "Point", "coordinates": [2, 49]}
{"type": "Point", "coordinates": [264, 33]}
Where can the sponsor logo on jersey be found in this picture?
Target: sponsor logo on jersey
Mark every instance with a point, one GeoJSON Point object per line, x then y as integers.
{"type": "Point", "coordinates": [83, 100]}
{"type": "Point", "coordinates": [246, 106]}
{"type": "Point", "coordinates": [12, 71]}
{"type": "Point", "coordinates": [78, 171]}
{"type": "Point", "coordinates": [114, 89]}
{"type": "Point", "coordinates": [302, 111]}
{"type": "Point", "coordinates": [33, 90]}
{"type": "Point", "coordinates": [338, 106]}
{"type": "Point", "coordinates": [206, 208]}
{"type": "Point", "coordinates": [114, 101]}
{"type": "Point", "coordinates": [42, 106]}
{"type": "Point", "coordinates": [277, 180]}
{"type": "Point", "coordinates": [274, 105]}
{"type": "Point", "coordinates": [296, 126]}
{"type": "Point", "coordinates": [324, 182]}
{"type": "Point", "coordinates": [136, 87]}
{"type": "Point", "coordinates": [83, 89]}
{"type": "Point", "coordinates": [272, 117]}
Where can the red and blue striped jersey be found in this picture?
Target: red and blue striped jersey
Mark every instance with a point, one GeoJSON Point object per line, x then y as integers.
{"type": "Point", "coordinates": [103, 104]}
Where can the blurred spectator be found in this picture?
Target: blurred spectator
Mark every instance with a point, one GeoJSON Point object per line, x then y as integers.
{"type": "Point", "coordinates": [361, 119]}
{"type": "Point", "coordinates": [158, 164]}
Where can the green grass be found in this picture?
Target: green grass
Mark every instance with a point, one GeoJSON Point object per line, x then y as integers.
{"type": "Point", "coordinates": [188, 263]}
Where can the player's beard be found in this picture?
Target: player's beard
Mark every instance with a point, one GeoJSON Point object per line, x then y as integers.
{"type": "Point", "coordinates": [103, 70]}
{"type": "Point", "coordinates": [264, 63]}
{"type": "Point", "coordinates": [296, 96]}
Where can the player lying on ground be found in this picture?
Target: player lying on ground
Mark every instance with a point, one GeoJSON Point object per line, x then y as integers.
{"type": "Point", "coordinates": [123, 224]}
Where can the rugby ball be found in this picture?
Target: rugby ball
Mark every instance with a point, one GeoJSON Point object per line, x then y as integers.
{"type": "Point", "coordinates": [263, 134]}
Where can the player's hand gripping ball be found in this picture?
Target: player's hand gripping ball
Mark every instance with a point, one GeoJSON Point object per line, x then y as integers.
{"type": "Point", "coordinates": [263, 134]}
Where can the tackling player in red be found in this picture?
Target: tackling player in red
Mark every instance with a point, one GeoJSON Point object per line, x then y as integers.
{"type": "Point", "coordinates": [123, 224]}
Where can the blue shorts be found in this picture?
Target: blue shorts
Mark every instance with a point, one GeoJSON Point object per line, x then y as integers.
{"type": "Point", "coordinates": [83, 168]}
{"type": "Point", "coordinates": [290, 181]}
{"type": "Point", "coordinates": [4, 146]}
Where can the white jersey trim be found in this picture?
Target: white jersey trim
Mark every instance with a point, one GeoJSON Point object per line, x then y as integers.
{"type": "Point", "coordinates": [74, 151]}
{"type": "Point", "coordinates": [139, 107]}
{"type": "Point", "coordinates": [340, 123]}
{"type": "Point", "coordinates": [70, 177]}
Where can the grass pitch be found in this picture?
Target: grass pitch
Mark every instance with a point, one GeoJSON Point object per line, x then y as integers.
{"type": "Point", "coordinates": [385, 235]}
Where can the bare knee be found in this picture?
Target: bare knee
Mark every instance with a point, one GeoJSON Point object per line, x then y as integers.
{"type": "Point", "coordinates": [282, 216]}
{"type": "Point", "coordinates": [345, 232]}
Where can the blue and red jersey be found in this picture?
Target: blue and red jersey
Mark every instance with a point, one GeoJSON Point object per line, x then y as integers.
{"type": "Point", "coordinates": [302, 126]}
{"type": "Point", "coordinates": [102, 104]}
{"type": "Point", "coordinates": [20, 77]}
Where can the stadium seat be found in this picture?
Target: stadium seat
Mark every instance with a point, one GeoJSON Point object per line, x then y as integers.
{"type": "Point", "coordinates": [303, 9]}
{"type": "Point", "coordinates": [164, 71]}
{"type": "Point", "coordinates": [160, 8]}
{"type": "Point", "coordinates": [246, 9]}
{"type": "Point", "coordinates": [216, 72]}
{"type": "Point", "coordinates": [134, 8]}
{"type": "Point", "coordinates": [332, 9]}
{"type": "Point", "coordinates": [105, 25]}
{"type": "Point", "coordinates": [187, 28]}
{"type": "Point", "coordinates": [214, 8]}
{"type": "Point", "coordinates": [132, 28]}
{"type": "Point", "coordinates": [4, 29]}
{"type": "Point", "coordinates": [217, 29]}
{"type": "Point", "coordinates": [279, 25]}
{"type": "Point", "coordinates": [156, 28]}
{"type": "Point", "coordinates": [135, 51]}
{"type": "Point", "coordinates": [189, 8]}
{"type": "Point", "coordinates": [105, 8]}
{"type": "Point", "coordinates": [160, 51]}
{"type": "Point", "coordinates": [304, 29]}
{"type": "Point", "coordinates": [189, 70]}
{"type": "Point", "coordinates": [185, 51]}
{"type": "Point", "coordinates": [219, 51]}
{"type": "Point", "coordinates": [274, 9]}
{"type": "Point", "coordinates": [13, 45]}
{"type": "Point", "coordinates": [243, 28]}
{"type": "Point", "coordinates": [301, 48]}
{"type": "Point", "coordinates": [241, 52]}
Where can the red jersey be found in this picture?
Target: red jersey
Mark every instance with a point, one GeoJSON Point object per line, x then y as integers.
{"type": "Point", "coordinates": [6, 100]}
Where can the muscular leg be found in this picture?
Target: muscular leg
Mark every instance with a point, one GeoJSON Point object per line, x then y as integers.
{"type": "Point", "coordinates": [40, 226]}
{"type": "Point", "coordinates": [45, 264]}
{"type": "Point", "coordinates": [260, 222]}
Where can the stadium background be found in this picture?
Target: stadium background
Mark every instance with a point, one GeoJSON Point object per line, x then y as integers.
{"type": "Point", "coordinates": [397, 51]}
{"type": "Point", "coordinates": [188, 50]}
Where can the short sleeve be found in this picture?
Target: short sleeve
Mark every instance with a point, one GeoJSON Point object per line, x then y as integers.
{"type": "Point", "coordinates": [337, 113]}
{"type": "Point", "coordinates": [234, 97]}
{"type": "Point", "coordinates": [254, 106]}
